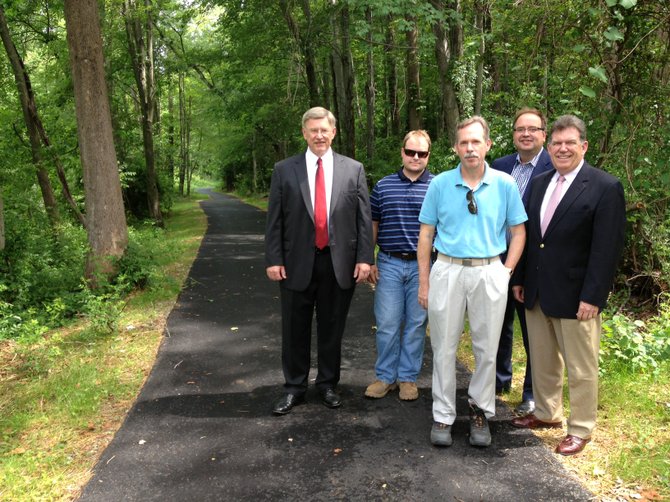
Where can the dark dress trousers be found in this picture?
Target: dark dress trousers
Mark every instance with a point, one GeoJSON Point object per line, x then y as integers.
{"type": "Point", "coordinates": [504, 356]}
{"type": "Point", "coordinates": [316, 280]}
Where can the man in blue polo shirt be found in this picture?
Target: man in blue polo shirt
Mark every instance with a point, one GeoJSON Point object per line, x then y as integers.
{"type": "Point", "coordinates": [401, 322]}
{"type": "Point", "coordinates": [471, 208]}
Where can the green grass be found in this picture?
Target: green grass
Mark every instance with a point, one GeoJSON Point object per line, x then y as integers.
{"type": "Point", "coordinates": [629, 457]}
{"type": "Point", "coordinates": [62, 398]}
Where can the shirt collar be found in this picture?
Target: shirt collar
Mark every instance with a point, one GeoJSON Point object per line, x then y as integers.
{"type": "Point", "coordinates": [311, 158]}
{"type": "Point", "coordinates": [533, 161]}
{"type": "Point", "coordinates": [571, 175]}
{"type": "Point", "coordinates": [486, 179]}
{"type": "Point", "coordinates": [425, 176]}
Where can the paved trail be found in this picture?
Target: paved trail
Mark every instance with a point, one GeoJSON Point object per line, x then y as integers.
{"type": "Point", "coordinates": [201, 428]}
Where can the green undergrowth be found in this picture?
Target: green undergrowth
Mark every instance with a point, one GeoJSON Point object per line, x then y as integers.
{"type": "Point", "coordinates": [64, 393]}
{"type": "Point", "coordinates": [629, 457]}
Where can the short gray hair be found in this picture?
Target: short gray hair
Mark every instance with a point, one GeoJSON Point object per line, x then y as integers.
{"type": "Point", "coordinates": [318, 112]}
{"type": "Point", "coordinates": [475, 119]}
{"type": "Point", "coordinates": [566, 121]}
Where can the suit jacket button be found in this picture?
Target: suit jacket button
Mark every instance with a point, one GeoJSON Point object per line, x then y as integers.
{"type": "Point", "coordinates": [541, 246]}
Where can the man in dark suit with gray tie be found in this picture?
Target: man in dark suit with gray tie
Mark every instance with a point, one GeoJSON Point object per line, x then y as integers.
{"type": "Point", "coordinates": [318, 246]}
{"type": "Point", "coordinates": [529, 134]}
{"type": "Point", "coordinates": [576, 224]}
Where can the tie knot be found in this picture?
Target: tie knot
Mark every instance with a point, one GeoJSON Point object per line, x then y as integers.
{"type": "Point", "coordinates": [561, 178]}
{"type": "Point", "coordinates": [319, 162]}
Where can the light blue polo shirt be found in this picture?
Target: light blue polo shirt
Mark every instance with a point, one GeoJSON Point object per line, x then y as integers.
{"type": "Point", "coordinates": [464, 235]}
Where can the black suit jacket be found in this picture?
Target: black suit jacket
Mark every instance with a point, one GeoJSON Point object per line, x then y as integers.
{"type": "Point", "coordinates": [506, 164]}
{"type": "Point", "coordinates": [289, 235]}
{"type": "Point", "coordinates": [577, 258]}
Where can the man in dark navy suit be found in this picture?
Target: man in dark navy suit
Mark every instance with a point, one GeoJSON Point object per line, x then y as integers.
{"type": "Point", "coordinates": [531, 159]}
{"type": "Point", "coordinates": [576, 224]}
{"type": "Point", "coordinates": [318, 245]}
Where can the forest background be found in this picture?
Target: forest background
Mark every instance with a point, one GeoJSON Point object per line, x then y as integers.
{"type": "Point", "coordinates": [216, 88]}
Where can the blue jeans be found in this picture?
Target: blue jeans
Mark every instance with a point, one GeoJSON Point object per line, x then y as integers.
{"type": "Point", "coordinates": [401, 321]}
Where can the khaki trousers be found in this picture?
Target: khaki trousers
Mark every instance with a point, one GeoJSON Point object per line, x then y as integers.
{"type": "Point", "coordinates": [556, 344]}
{"type": "Point", "coordinates": [482, 292]}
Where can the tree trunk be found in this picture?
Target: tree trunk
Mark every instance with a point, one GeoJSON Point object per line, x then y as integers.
{"type": "Point", "coordinates": [304, 43]}
{"type": "Point", "coordinates": [482, 25]}
{"type": "Point", "coordinates": [187, 148]}
{"type": "Point", "coordinates": [140, 45]}
{"type": "Point", "coordinates": [343, 79]}
{"type": "Point", "coordinates": [25, 95]}
{"type": "Point", "coordinates": [348, 120]}
{"type": "Point", "coordinates": [391, 82]}
{"type": "Point", "coordinates": [171, 136]}
{"type": "Point", "coordinates": [413, 76]}
{"type": "Point", "coordinates": [448, 49]}
{"type": "Point", "coordinates": [2, 224]}
{"type": "Point", "coordinates": [310, 60]}
{"type": "Point", "coordinates": [182, 134]}
{"type": "Point", "coordinates": [107, 229]}
{"type": "Point", "coordinates": [254, 163]}
{"type": "Point", "coordinates": [370, 93]}
{"type": "Point", "coordinates": [36, 132]}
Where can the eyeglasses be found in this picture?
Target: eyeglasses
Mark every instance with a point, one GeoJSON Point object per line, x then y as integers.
{"type": "Point", "coordinates": [530, 130]}
{"type": "Point", "coordinates": [412, 153]}
{"type": "Point", "coordinates": [472, 203]}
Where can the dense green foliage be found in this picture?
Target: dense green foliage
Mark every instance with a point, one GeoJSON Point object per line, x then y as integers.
{"type": "Point", "coordinates": [233, 78]}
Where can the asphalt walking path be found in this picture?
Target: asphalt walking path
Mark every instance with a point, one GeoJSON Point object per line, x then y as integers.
{"type": "Point", "coordinates": [202, 428]}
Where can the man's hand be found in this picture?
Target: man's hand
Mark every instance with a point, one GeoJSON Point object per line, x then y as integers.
{"type": "Point", "coordinates": [423, 295]}
{"type": "Point", "coordinates": [517, 291]}
{"type": "Point", "coordinates": [361, 272]}
{"type": "Point", "coordinates": [374, 274]}
{"type": "Point", "coordinates": [276, 272]}
{"type": "Point", "coordinates": [586, 311]}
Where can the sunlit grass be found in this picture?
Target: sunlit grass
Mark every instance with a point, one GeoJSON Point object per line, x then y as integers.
{"type": "Point", "coordinates": [629, 457]}
{"type": "Point", "coordinates": [62, 398]}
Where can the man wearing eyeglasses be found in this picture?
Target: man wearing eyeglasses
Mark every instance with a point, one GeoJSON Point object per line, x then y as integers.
{"type": "Point", "coordinates": [401, 322]}
{"type": "Point", "coordinates": [577, 219]}
{"type": "Point", "coordinates": [468, 210]}
{"type": "Point", "coordinates": [318, 245]}
{"type": "Point", "coordinates": [530, 160]}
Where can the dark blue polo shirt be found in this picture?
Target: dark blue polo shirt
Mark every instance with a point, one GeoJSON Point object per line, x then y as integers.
{"type": "Point", "coordinates": [396, 203]}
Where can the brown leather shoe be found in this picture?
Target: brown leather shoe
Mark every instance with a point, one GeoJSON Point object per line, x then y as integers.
{"type": "Point", "coordinates": [571, 445]}
{"type": "Point", "coordinates": [532, 422]}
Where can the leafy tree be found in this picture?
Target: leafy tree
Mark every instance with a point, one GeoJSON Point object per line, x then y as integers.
{"type": "Point", "coordinates": [107, 231]}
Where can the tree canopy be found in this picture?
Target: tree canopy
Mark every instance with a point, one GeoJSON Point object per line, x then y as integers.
{"type": "Point", "coordinates": [217, 87]}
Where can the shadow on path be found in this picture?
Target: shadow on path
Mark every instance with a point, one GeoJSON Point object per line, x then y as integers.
{"type": "Point", "coordinates": [201, 428]}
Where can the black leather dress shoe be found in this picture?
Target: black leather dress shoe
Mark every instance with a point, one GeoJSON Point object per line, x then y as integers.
{"type": "Point", "coordinates": [331, 398]}
{"type": "Point", "coordinates": [285, 404]}
{"type": "Point", "coordinates": [525, 408]}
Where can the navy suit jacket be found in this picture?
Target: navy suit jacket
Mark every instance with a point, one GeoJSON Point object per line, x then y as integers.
{"type": "Point", "coordinates": [506, 164]}
{"type": "Point", "coordinates": [289, 233]}
{"type": "Point", "coordinates": [576, 259]}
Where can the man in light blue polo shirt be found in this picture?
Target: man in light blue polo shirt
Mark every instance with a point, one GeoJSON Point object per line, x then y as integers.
{"type": "Point", "coordinates": [471, 207]}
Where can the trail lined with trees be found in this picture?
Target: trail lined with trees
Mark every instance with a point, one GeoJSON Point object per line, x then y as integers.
{"type": "Point", "coordinates": [110, 108]}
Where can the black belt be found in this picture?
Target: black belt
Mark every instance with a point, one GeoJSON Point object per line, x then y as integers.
{"type": "Point", "coordinates": [410, 256]}
{"type": "Point", "coordinates": [325, 250]}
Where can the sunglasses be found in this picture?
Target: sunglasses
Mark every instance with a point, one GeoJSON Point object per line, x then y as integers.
{"type": "Point", "coordinates": [412, 153]}
{"type": "Point", "coordinates": [472, 203]}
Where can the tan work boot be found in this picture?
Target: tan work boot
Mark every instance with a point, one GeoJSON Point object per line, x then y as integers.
{"type": "Point", "coordinates": [408, 391]}
{"type": "Point", "coordinates": [378, 389]}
